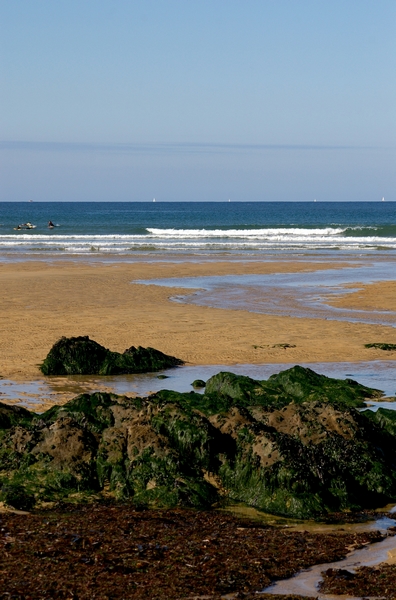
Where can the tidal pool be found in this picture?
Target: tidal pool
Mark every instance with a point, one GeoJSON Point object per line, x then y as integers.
{"type": "Point", "coordinates": [303, 294]}
{"type": "Point", "coordinates": [56, 390]}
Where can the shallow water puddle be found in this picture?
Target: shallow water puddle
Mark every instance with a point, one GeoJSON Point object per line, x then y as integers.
{"type": "Point", "coordinates": [46, 391]}
{"type": "Point", "coordinates": [306, 582]}
{"type": "Point", "coordinates": [302, 294]}
{"type": "Point", "coordinates": [381, 524]}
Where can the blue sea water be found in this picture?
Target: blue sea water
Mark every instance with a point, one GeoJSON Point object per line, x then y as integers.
{"type": "Point", "coordinates": [121, 228]}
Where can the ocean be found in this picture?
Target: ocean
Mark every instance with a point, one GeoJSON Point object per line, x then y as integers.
{"type": "Point", "coordinates": [205, 228]}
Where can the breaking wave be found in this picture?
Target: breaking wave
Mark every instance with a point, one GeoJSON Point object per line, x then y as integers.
{"type": "Point", "coordinates": [198, 240]}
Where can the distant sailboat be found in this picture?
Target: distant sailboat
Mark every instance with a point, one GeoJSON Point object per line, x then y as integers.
{"type": "Point", "coordinates": [315, 200]}
{"type": "Point", "coordinates": [383, 199]}
{"type": "Point", "coordinates": [153, 199]}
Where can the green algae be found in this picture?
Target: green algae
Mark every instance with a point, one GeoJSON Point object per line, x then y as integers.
{"type": "Point", "coordinates": [298, 384]}
{"type": "Point", "coordinates": [381, 346]}
{"type": "Point", "coordinates": [384, 418]}
{"type": "Point", "coordinates": [13, 415]}
{"type": "Point", "coordinates": [198, 384]}
{"type": "Point", "coordinates": [294, 445]}
{"type": "Point", "coordinates": [209, 404]}
{"type": "Point", "coordinates": [91, 409]}
{"type": "Point", "coordinates": [82, 356]}
{"type": "Point", "coordinates": [306, 385]}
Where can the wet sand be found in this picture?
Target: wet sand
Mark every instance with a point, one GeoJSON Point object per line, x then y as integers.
{"type": "Point", "coordinates": [375, 296]}
{"type": "Point", "coordinates": [42, 301]}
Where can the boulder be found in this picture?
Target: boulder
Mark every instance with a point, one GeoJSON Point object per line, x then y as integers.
{"type": "Point", "coordinates": [297, 384]}
{"type": "Point", "coordinates": [198, 384]}
{"type": "Point", "coordinates": [82, 356]}
{"type": "Point", "coordinates": [304, 385]}
{"type": "Point", "coordinates": [294, 445]}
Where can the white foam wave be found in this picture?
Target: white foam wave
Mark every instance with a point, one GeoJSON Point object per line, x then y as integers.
{"type": "Point", "coordinates": [179, 240]}
{"type": "Point", "coordinates": [243, 233]}
{"type": "Point", "coordinates": [33, 237]}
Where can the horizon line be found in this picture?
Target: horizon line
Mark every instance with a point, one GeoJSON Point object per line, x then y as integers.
{"type": "Point", "coordinates": [133, 147]}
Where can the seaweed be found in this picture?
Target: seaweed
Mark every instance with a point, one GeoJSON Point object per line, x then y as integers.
{"type": "Point", "coordinates": [381, 346]}
{"type": "Point", "coordinates": [125, 551]}
{"type": "Point", "coordinates": [293, 445]}
{"type": "Point", "coordinates": [13, 415]}
{"type": "Point", "coordinates": [297, 384]}
{"type": "Point", "coordinates": [82, 356]}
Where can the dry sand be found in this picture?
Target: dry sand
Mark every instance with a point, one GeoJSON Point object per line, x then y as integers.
{"type": "Point", "coordinates": [40, 302]}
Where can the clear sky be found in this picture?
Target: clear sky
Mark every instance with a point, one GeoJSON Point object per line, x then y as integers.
{"type": "Point", "coordinates": [197, 100]}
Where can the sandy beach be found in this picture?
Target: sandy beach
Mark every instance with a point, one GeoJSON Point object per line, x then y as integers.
{"type": "Point", "coordinates": [42, 301]}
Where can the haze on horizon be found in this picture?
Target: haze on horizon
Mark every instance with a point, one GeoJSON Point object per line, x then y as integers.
{"type": "Point", "coordinates": [260, 100]}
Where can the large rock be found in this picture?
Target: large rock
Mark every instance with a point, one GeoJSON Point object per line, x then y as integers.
{"type": "Point", "coordinates": [307, 459]}
{"type": "Point", "coordinates": [82, 356]}
{"type": "Point", "coordinates": [288, 446]}
{"type": "Point", "coordinates": [297, 384]}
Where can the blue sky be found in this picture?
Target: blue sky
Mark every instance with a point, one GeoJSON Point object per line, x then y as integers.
{"type": "Point", "coordinates": [197, 100]}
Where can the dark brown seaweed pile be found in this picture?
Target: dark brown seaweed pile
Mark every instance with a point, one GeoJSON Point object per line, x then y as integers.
{"type": "Point", "coordinates": [113, 552]}
{"type": "Point", "coordinates": [367, 581]}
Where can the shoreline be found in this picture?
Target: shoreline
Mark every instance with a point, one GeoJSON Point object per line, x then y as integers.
{"type": "Point", "coordinates": [40, 394]}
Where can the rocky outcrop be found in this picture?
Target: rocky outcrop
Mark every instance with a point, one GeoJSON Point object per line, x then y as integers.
{"type": "Point", "coordinates": [297, 384]}
{"type": "Point", "coordinates": [82, 356]}
{"type": "Point", "coordinates": [285, 446]}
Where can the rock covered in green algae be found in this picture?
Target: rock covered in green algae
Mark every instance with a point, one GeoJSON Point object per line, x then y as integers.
{"type": "Point", "coordinates": [384, 418]}
{"type": "Point", "coordinates": [297, 384]}
{"type": "Point", "coordinates": [82, 356]}
{"type": "Point", "coordinates": [262, 443]}
{"type": "Point", "coordinates": [156, 453]}
{"type": "Point", "coordinates": [198, 384]}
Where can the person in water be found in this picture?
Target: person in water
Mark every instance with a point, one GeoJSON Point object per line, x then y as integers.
{"type": "Point", "coordinates": [50, 224]}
